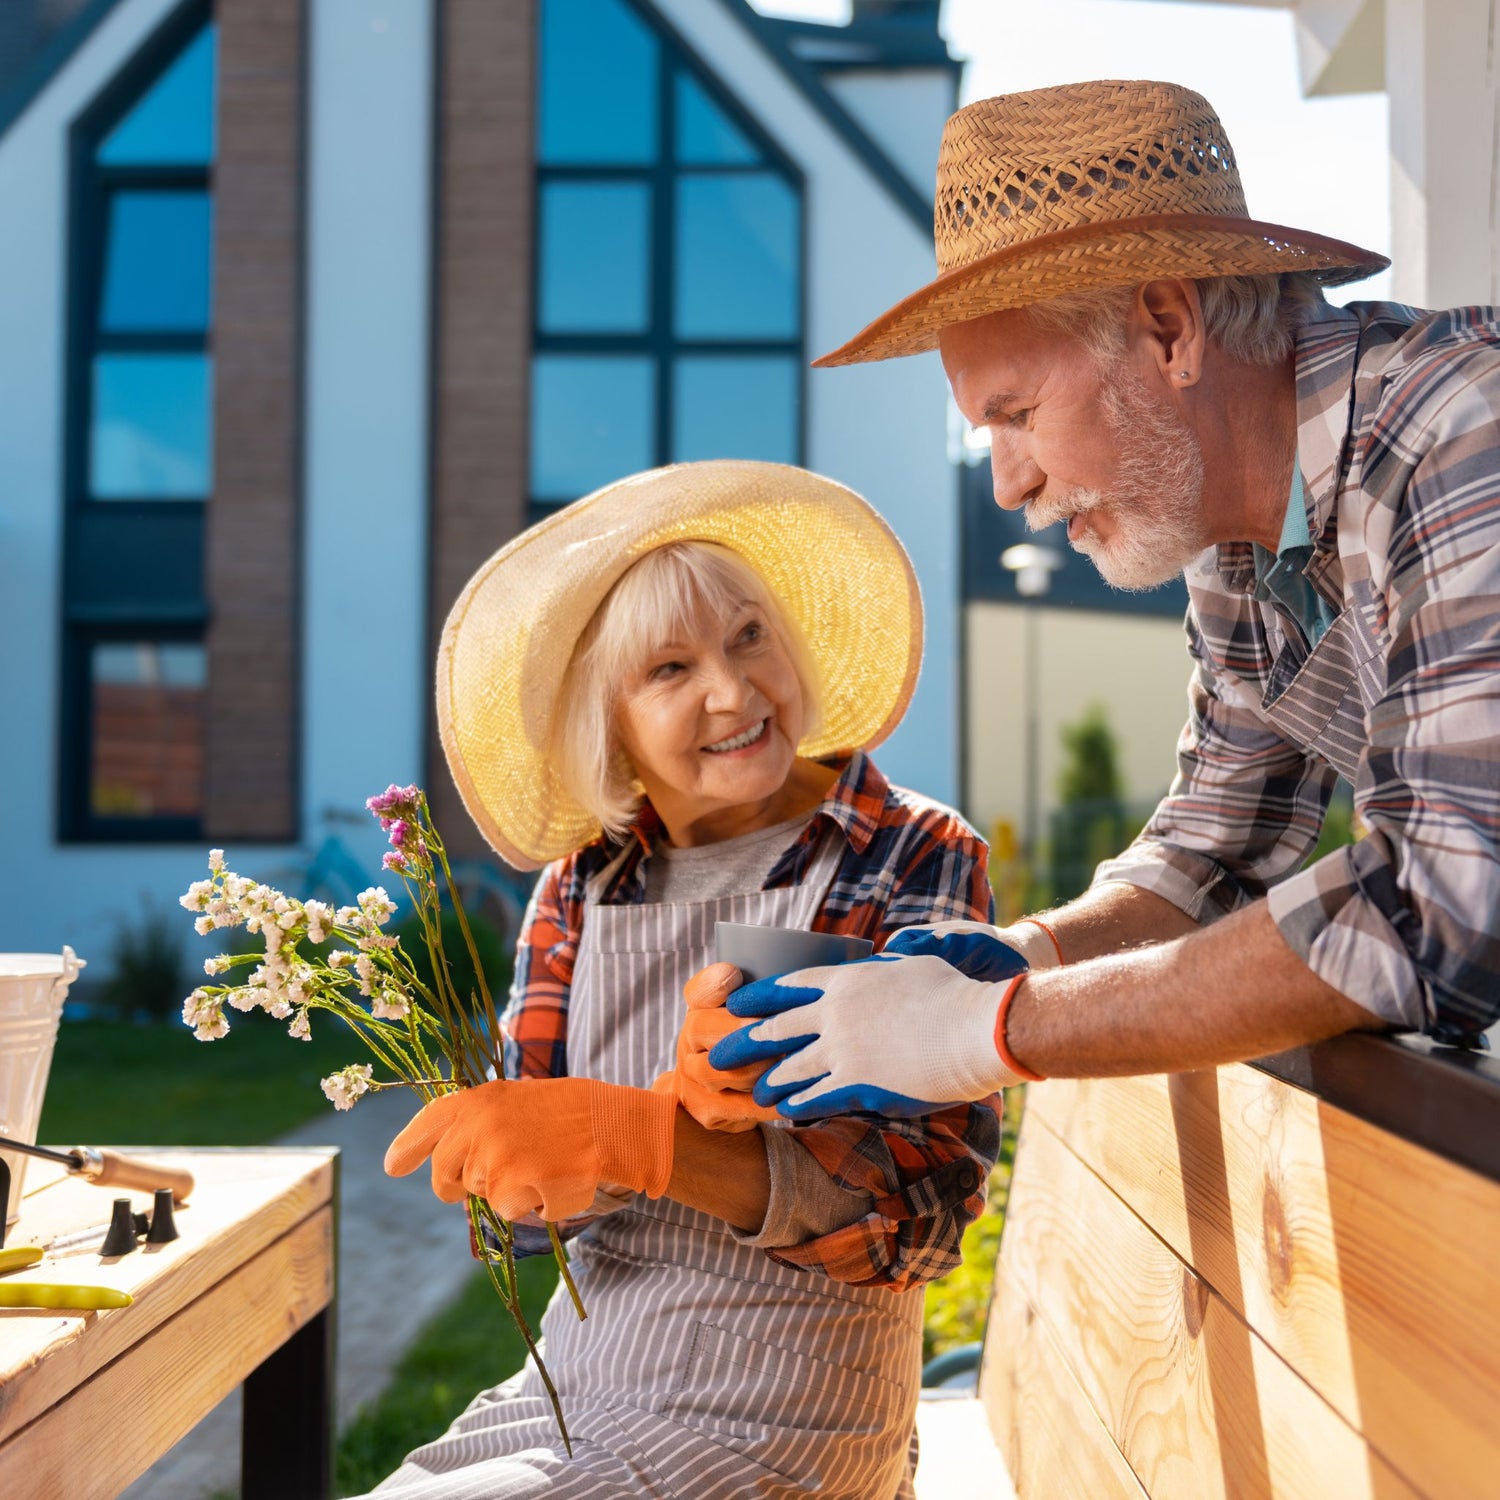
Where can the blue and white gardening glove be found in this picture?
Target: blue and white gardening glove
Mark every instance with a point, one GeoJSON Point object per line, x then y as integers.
{"type": "Point", "coordinates": [904, 1033]}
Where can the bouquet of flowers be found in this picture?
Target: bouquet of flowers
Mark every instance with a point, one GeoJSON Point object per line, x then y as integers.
{"type": "Point", "coordinates": [317, 957]}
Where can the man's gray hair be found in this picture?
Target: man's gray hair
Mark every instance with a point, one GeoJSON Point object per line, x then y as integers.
{"type": "Point", "coordinates": [1251, 318]}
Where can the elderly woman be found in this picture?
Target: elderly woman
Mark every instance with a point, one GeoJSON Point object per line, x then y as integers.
{"type": "Point", "coordinates": [666, 691]}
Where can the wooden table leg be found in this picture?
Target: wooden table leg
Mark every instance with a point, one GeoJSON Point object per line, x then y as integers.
{"type": "Point", "coordinates": [286, 1449]}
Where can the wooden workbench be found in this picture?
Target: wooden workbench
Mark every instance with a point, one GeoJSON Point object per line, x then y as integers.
{"type": "Point", "coordinates": [89, 1401]}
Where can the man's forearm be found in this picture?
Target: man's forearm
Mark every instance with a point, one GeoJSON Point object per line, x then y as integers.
{"type": "Point", "coordinates": [1111, 917]}
{"type": "Point", "coordinates": [1225, 993]}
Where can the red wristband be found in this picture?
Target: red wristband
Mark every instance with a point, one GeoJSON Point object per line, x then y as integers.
{"type": "Point", "coordinates": [1057, 946]}
{"type": "Point", "coordinates": [1002, 1016]}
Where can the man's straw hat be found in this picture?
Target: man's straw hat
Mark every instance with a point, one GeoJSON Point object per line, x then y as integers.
{"type": "Point", "coordinates": [1087, 185]}
{"type": "Point", "coordinates": [832, 563]}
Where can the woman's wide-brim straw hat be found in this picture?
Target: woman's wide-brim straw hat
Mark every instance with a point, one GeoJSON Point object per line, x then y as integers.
{"type": "Point", "coordinates": [832, 563]}
{"type": "Point", "coordinates": [1083, 186]}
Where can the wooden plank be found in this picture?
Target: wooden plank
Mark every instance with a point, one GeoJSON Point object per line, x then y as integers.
{"type": "Point", "coordinates": [103, 1435]}
{"type": "Point", "coordinates": [1052, 1440]}
{"type": "Point", "coordinates": [243, 1202]}
{"type": "Point", "coordinates": [1367, 1263]}
{"type": "Point", "coordinates": [1199, 1404]}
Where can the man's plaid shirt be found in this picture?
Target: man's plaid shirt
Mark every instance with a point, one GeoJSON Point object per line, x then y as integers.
{"type": "Point", "coordinates": [906, 861]}
{"type": "Point", "coordinates": [1399, 444]}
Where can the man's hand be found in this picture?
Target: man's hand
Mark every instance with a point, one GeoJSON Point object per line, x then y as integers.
{"type": "Point", "coordinates": [718, 1100]}
{"type": "Point", "coordinates": [540, 1144]}
{"type": "Point", "coordinates": [976, 948]}
{"type": "Point", "coordinates": [894, 1034]}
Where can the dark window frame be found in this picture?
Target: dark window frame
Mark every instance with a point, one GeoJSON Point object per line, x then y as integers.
{"type": "Point", "coordinates": [660, 343]}
{"type": "Point", "coordinates": [171, 608]}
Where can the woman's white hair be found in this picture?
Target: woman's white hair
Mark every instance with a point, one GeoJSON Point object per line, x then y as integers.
{"type": "Point", "coordinates": [1252, 318]}
{"type": "Point", "coordinates": [668, 590]}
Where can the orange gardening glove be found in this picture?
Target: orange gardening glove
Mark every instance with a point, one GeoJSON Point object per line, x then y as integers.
{"type": "Point", "coordinates": [540, 1144]}
{"type": "Point", "coordinates": [717, 1100]}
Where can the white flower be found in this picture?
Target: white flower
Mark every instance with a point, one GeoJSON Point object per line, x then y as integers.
{"type": "Point", "coordinates": [203, 926]}
{"type": "Point", "coordinates": [244, 997]}
{"type": "Point", "coordinates": [217, 964]}
{"type": "Point", "coordinates": [301, 1030]}
{"type": "Point", "coordinates": [197, 895]}
{"type": "Point", "coordinates": [347, 916]}
{"type": "Point", "coordinates": [341, 958]}
{"type": "Point", "coordinates": [216, 860]}
{"type": "Point", "coordinates": [287, 920]}
{"type": "Point", "coordinates": [205, 1014]}
{"type": "Point", "coordinates": [319, 921]}
{"type": "Point", "coordinates": [376, 906]}
{"type": "Point", "coordinates": [364, 966]}
{"type": "Point", "coordinates": [390, 1005]}
{"type": "Point", "coordinates": [345, 1086]}
{"type": "Point", "coordinates": [279, 1008]}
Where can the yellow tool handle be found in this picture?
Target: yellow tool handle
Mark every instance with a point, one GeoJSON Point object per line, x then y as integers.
{"type": "Point", "coordinates": [110, 1169]}
{"type": "Point", "coordinates": [18, 1257]}
{"type": "Point", "coordinates": [62, 1296]}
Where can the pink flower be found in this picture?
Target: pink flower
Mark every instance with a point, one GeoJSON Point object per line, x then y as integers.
{"type": "Point", "coordinates": [394, 859]}
{"type": "Point", "coordinates": [395, 802]}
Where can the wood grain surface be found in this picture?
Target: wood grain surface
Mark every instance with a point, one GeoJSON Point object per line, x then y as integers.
{"type": "Point", "coordinates": [1198, 1403]}
{"type": "Point", "coordinates": [1366, 1263]}
{"type": "Point", "coordinates": [1054, 1442]}
{"type": "Point", "coordinates": [111, 1427]}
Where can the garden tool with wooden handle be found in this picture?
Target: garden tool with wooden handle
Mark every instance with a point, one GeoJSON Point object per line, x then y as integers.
{"type": "Point", "coordinates": [110, 1168]}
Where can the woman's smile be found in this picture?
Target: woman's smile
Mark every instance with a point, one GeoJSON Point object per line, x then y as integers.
{"type": "Point", "coordinates": [744, 742]}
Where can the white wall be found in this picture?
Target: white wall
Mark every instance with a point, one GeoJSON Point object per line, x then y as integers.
{"type": "Point", "coordinates": [1445, 168]}
{"type": "Point", "coordinates": [879, 428]}
{"type": "Point", "coordinates": [366, 676]}
{"type": "Point", "coordinates": [904, 112]}
{"type": "Point", "coordinates": [1135, 666]}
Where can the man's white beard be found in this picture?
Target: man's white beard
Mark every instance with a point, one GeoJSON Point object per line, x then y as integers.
{"type": "Point", "coordinates": [1156, 500]}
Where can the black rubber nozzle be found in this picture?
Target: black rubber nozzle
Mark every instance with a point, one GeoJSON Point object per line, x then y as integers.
{"type": "Point", "coordinates": [163, 1228]}
{"type": "Point", "coordinates": [121, 1237]}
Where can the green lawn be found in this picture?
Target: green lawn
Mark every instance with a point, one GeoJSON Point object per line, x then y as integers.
{"type": "Point", "coordinates": [117, 1084]}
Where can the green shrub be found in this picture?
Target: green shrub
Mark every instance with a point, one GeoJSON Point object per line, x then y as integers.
{"type": "Point", "coordinates": [146, 973]}
{"type": "Point", "coordinates": [494, 957]}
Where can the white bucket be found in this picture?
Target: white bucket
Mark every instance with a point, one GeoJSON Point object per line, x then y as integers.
{"type": "Point", "coordinates": [32, 989]}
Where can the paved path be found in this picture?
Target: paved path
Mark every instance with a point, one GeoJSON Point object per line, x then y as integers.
{"type": "Point", "coordinates": [401, 1257]}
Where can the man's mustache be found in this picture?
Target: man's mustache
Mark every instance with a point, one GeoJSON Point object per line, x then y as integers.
{"type": "Point", "coordinates": [1048, 510]}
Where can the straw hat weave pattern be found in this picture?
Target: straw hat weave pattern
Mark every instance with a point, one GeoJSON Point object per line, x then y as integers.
{"type": "Point", "coordinates": [1087, 185]}
{"type": "Point", "coordinates": [827, 556]}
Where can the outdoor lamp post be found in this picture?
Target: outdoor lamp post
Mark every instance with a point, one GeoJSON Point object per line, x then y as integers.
{"type": "Point", "coordinates": [1033, 568]}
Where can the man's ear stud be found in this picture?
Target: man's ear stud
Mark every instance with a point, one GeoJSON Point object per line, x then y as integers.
{"type": "Point", "coordinates": [1183, 375]}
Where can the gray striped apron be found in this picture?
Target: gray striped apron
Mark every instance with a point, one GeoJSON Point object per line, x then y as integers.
{"type": "Point", "coordinates": [705, 1370]}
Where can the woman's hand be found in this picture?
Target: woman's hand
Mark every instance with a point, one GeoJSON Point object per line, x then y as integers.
{"type": "Point", "coordinates": [540, 1144]}
{"type": "Point", "coordinates": [718, 1099]}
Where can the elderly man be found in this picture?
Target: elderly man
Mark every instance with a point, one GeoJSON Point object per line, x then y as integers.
{"type": "Point", "coordinates": [1163, 373]}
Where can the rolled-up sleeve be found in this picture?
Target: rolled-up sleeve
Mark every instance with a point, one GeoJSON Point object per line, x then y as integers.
{"type": "Point", "coordinates": [1401, 922]}
{"type": "Point", "coordinates": [895, 1196]}
{"type": "Point", "coordinates": [1404, 921]}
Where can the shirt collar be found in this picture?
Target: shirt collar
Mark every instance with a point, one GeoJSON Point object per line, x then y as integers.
{"type": "Point", "coordinates": [1327, 345]}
